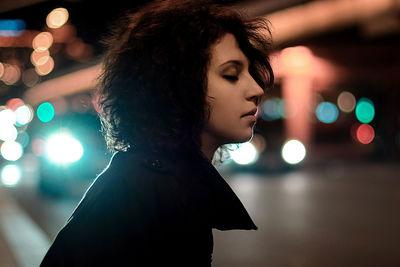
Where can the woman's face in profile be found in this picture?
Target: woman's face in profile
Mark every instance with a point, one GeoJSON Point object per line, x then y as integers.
{"type": "Point", "coordinates": [232, 94]}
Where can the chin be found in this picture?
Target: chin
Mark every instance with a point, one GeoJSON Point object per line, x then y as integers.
{"type": "Point", "coordinates": [242, 138]}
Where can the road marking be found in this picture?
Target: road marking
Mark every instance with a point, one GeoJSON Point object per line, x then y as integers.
{"type": "Point", "coordinates": [25, 239]}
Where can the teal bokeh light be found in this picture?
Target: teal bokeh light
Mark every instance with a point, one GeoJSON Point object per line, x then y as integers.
{"type": "Point", "coordinates": [365, 110]}
{"type": "Point", "coordinates": [45, 112]}
{"type": "Point", "coordinates": [273, 109]}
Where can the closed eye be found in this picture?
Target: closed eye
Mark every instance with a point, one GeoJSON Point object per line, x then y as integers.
{"type": "Point", "coordinates": [231, 78]}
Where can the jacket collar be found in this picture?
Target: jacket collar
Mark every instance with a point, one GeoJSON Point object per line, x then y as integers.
{"type": "Point", "coordinates": [205, 189]}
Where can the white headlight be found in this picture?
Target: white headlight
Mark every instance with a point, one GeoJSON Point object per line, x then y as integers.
{"type": "Point", "coordinates": [63, 148]}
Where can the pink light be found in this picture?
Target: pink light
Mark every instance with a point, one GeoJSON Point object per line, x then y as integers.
{"type": "Point", "coordinates": [14, 103]}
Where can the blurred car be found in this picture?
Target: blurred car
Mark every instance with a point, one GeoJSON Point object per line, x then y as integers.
{"type": "Point", "coordinates": [72, 153]}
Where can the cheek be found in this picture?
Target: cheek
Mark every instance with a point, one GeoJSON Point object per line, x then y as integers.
{"type": "Point", "coordinates": [224, 122]}
{"type": "Point", "coordinates": [222, 115]}
{"type": "Point", "coordinates": [227, 126]}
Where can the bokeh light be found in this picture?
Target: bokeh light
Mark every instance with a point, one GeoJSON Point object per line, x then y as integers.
{"type": "Point", "coordinates": [7, 116]}
{"type": "Point", "coordinates": [10, 175]}
{"type": "Point", "coordinates": [14, 103]}
{"type": "Point", "coordinates": [63, 148]}
{"type": "Point", "coordinates": [24, 115]}
{"type": "Point", "coordinates": [57, 18]}
{"type": "Point", "coordinates": [245, 154]}
{"type": "Point", "coordinates": [346, 101]}
{"type": "Point", "coordinates": [30, 77]}
{"type": "Point", "coordinates": [42, 41]}
{"type": "Point", "coordinates": [297, 60]}
{"type": "Point", "coordinates": [11, 74]}
{"type": "Point", "coordinates": [11, 150]}
{"type": "Point", "coordinates": [46, 67]}
{"type": "Point", "coordinates": [45, 112]}
{"type": "Point", "coordinates": [365, 110]}
{"type": "Point", "coordinates": [273, 109]}
{"type": "Point", "coordinates": [39, 57]}
{"type": "Point", "coordinates": [8, 132]}
{"type": "Point", "coordinates": [327, 112]}
{"type": "Point", "coordinates": [365, 134]}
{"type": "Point", "coordinates": [293, 151]}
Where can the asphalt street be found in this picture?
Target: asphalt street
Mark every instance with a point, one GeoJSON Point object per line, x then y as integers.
{"type": "Point", "coordinates": [336, 215]}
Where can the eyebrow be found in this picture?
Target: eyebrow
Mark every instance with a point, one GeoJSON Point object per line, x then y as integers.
{"type": "Point", "coordinates": [233, 61]}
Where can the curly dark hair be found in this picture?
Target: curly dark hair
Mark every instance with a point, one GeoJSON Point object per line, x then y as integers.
{"type": "Point", "coordinates": [152, 92]}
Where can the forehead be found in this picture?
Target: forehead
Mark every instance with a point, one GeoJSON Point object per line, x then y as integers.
{"type": "Point", "coordinates": [227, 49]}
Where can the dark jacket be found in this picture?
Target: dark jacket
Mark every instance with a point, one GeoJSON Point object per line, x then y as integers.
{"type": "Point", "coordinates": [149, 209]}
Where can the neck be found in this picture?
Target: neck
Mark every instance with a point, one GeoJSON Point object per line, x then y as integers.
{"type": "Point", "coordinates": [208, 145]}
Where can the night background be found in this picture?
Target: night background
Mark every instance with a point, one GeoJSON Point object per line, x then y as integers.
{"type": "Point", "coordinates": [321, 176]}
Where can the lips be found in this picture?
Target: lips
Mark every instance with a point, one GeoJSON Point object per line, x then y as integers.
{"type": "Point", "coordinates": [252, 112]}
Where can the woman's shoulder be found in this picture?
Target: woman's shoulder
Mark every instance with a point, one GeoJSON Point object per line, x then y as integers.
{"type": "Point", "coordinates": [140, 160]}
{"type": "Point", "coordinates": [124, 206]}
{"type": "Point", "coordinates": [130, 172]}
{"type": "Point", "coordinates": [129, 178]}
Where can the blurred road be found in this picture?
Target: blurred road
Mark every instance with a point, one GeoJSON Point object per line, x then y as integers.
{"type": "Point", "coordinates": [338, 215]}
{"type": "Point", "coordinates": [333, 216]}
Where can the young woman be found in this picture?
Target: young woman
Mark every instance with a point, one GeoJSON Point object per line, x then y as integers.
{"type": "Point", "coordinates": [181, 79]}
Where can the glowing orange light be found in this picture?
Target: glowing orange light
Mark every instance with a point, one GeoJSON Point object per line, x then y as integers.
{"type": "Point", "coordinates": [57, 18]}
{"type": "Point", "coordinates": [14, 103]}
{"type": "Point", "coordinates": [46, 68]}
{"type": "Point", "coordinates": [42, 41]}
{"type": "Point", "coordinates": [39, 57]}
{"type": "Point", "coordinates": [42, 60]}
{"type": "Point", "coordinates": [365, 134]}
{"type": "Point", "coordinates": [11, 74]}
{"type": "Point", "coordinates": [296, 60]}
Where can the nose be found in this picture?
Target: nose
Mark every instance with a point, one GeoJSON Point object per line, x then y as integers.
{"type": "Point", "coordinates": [254, 92]}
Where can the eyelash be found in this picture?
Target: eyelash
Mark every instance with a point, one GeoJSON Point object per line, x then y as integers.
{"type": "Point", "coordinates": [231, 78]}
